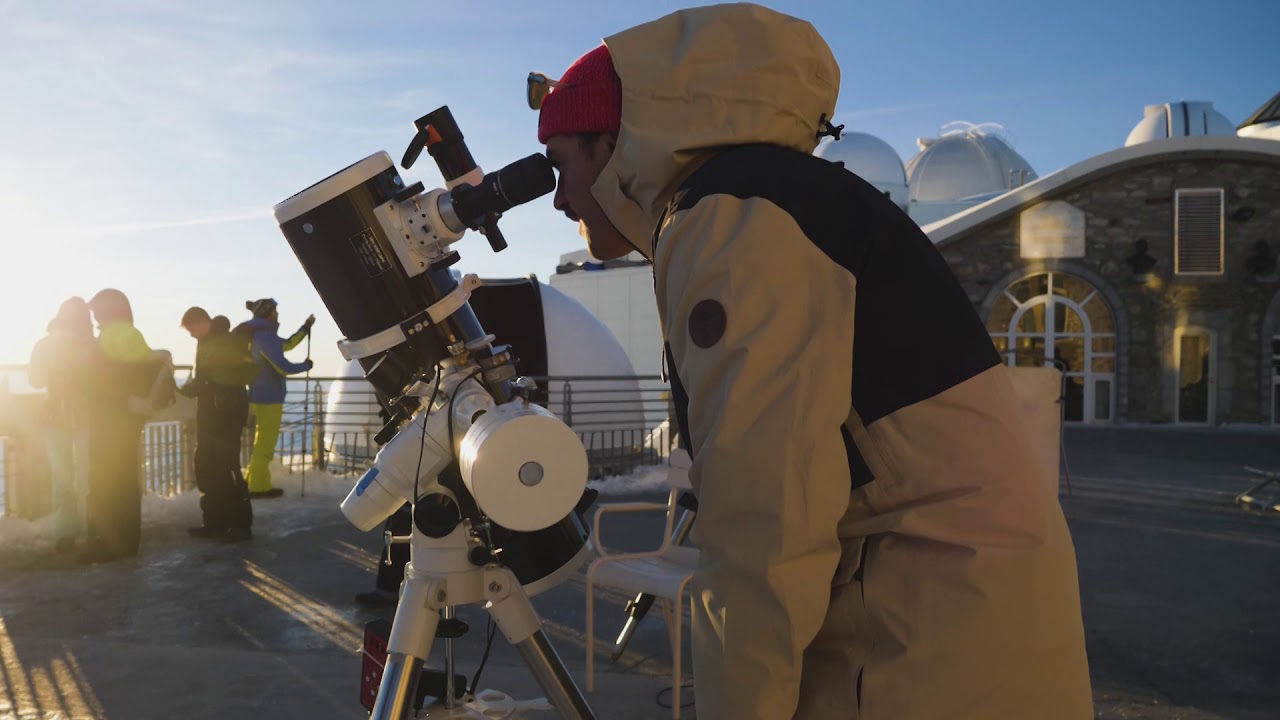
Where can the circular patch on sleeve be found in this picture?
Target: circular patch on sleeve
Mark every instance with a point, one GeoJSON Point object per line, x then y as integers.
{"type": "Point", "coordinates": [706, 323]}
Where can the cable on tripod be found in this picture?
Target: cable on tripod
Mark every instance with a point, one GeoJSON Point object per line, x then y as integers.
{"type": "Point", "coordinates": [475, 679]}
{"type": "Point", "coordinates": [667, 703]}
{"type": "Point", "coordinates": [423, 443]}
{"type": "Point", "coordinates": [488, 645]}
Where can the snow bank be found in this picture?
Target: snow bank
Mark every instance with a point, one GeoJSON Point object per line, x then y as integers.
{"type": "Point", "coordinates": [643, 480]}
{"type": "Point", "coordinates": [306, 502]}
{"type": "Point", "coordinates": [19, 535]}
{"type": "Point", "coordinates": [274, 517]}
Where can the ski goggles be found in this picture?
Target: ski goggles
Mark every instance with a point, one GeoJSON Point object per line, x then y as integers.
{"type": "Point", "coordinates": [539, 87]}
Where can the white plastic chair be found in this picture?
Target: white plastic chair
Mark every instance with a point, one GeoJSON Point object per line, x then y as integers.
{"type": "Point", "coordinates": [663, 573]}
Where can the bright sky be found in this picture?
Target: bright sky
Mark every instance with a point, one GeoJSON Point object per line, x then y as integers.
{"type": "Point", "coordinates": [144, 142]}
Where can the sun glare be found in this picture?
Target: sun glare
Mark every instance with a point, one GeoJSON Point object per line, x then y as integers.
{"type": "Point", "coordinates": [43, 266]}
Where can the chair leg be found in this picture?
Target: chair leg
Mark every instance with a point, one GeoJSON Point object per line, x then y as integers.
{"type": "Point", "coordinates": [676, 657]}
{"type": "Point", "coordinates": [591, 637]}
{"type": "Point", "coordinates": [666, 617]}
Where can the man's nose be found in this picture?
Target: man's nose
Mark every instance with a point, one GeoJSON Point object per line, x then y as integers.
{"type": "Point", "coordinates": [561, 201]}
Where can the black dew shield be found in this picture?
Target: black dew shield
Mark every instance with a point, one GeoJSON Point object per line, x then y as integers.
{"type": "Point", "coordinates": [346, 254]}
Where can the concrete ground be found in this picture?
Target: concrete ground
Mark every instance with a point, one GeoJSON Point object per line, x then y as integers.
{"type": "Point", "coordinates": [1178, 587]}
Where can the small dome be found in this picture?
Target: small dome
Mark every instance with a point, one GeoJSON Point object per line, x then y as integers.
{"type": "Point", "coordinates": [871, 159]}
{"type": "Point", "coordinates": [1180, 119]}
{"type": "Point", "coordinates": [965, 161]}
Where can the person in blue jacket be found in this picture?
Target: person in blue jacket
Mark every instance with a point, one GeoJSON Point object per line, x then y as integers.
{"type": "Point", "coordinates": [267, 392]}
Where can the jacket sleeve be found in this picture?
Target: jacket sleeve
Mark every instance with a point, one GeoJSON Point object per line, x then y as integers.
{"type": "Point", "coordinates": [768, 395]}
{"type": "Point", "coordinates": [271, 350]}
{"type": "Point", "coordinates": [295, 338]}
{"type": "Point", "coordinates": [190, 388]}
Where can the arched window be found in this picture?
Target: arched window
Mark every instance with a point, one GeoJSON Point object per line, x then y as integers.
{"type": "Point", "coordinates": [1055, 316]}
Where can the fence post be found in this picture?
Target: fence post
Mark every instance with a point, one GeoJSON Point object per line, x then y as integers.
{"type": "Point", "coordinates": [568, 403]}
{"type": "Point", "coordinates": [166, 453]}
{"type": "Point", "coordinates": [6, 475]}
{"type": "Point", "coordinates": [188, 454]}
{"type": "Point", "coordinates": [317, 430]}
{"type": "Point", "coordinates": [175, 458]}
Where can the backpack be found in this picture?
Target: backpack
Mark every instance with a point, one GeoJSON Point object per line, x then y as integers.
{"type": "Point", "coordinates": [163, 391]}
{"type": "Point", "coordinates": [240, 344]}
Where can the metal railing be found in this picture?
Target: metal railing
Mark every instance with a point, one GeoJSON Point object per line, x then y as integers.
{"type": "Point", "coordinates": [329, 423]}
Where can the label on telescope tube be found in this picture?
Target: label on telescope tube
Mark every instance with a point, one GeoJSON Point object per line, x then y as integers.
{"type": "Point", "coordinates": [370, 253]}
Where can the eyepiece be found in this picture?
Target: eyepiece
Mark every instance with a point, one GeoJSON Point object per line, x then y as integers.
{"type": "Point", "coordinates": [523, 180]}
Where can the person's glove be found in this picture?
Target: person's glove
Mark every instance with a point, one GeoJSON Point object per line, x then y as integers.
{"type": "Point", "coordinates": [307, 365]}
{"type": "Point", "coordinates": [306, 324]}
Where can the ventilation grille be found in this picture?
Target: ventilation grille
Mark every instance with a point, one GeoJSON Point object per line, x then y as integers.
{"type": "Point", "coordinates": [1197, 232]}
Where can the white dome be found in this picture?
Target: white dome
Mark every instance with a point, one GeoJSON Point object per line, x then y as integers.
{"type": "Point", "coordinates": [1264, 123]}
{"type": "Point", "coordinates": [871, 159]}
{"type": "Point", "coordinates": [578, 344]}
{"type": "Point", "coordinates": [1261, 131]}
{"type": "Point", "coordinates": [1180, 119]}
{"type": "Point", "coordinates": [965, 161]}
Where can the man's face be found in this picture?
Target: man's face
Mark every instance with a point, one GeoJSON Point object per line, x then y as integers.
{"type": "Point", "coordinates": [579, 164]}
{"type": "Point", "coordinates": [199, 328]}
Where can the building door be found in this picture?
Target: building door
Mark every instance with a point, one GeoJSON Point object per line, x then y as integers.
{"type": "Point", "coordinates": [1197, 372]}
{"type": "Point", "coordinates": [1060, 320]}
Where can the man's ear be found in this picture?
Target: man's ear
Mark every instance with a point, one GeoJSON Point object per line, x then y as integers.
{"type": "Point", "coordinates": [605, 144]}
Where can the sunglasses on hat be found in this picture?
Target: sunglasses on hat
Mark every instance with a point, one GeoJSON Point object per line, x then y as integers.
{"type": "Point", "coordinates": [539, 87]}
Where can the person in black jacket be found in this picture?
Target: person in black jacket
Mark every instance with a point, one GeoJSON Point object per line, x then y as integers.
{"type": "Point", "coordinates": [57, 365]}
{"type": "Point", "coordinates": [224, 367]}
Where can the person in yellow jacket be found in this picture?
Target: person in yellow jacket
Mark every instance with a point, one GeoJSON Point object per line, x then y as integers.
{"type": "Point", "coordinates": [879, 538]}
{"type": "Point", "coordinates": [121, 380]}
{"type": "Point", "coordinates": [268, 389]}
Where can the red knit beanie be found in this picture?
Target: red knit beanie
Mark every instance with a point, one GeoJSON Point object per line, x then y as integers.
{"type": "Point", "coordinates": [589, 99]}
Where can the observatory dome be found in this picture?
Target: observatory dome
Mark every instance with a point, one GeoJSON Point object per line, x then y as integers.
{"type": "Point", "coordinates": [871, 159]}
{"type": "Point", "coordinates": [1264, 123]}
{"type": "Point", "coordinates": [1179, 119]}
{"type": "Point", "coordinates": [965, 161]}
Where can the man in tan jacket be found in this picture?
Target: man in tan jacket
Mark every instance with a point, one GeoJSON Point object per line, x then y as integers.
{"type": "Point", "coordinates": [879, 538]}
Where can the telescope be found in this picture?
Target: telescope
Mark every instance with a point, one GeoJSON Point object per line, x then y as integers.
{"type": "Point", "coordinates": [497, 483]}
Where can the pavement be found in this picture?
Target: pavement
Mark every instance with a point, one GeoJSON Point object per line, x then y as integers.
{"type": "Point", "coordinates": [1178, 588]}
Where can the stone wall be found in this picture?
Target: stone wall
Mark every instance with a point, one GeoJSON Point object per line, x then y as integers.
{"type": "Point", "coordinates": [1138, 204]}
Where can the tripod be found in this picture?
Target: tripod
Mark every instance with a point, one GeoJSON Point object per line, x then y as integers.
{"type": "Point", "coordinates": [452, 580]}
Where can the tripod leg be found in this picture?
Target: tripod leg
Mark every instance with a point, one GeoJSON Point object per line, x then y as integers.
{"type": "Point", "coordinates": [412, 633]}
{"type": "Point", "coordinates": [520, 624]}
{"type": "Point", "coordinates": [450, 701]}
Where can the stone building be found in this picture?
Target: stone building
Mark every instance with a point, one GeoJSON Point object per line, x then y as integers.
{"type": "Point", "coordinates": [1147, 273]}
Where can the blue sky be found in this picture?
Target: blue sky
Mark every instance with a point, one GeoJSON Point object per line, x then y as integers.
{"type": "Point", "coordinates": [144, 142]}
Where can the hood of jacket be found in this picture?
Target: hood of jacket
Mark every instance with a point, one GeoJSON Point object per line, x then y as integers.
{"type": "Point", "coordinates": [122, 342]}
{"type": "Point", "coordinates": [260, 326]}
{"type": "Point", "coordinates": [699, 81]}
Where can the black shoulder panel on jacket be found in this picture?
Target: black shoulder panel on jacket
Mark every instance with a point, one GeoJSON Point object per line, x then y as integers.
{"type": "Point", "coordinates": [916, 332]}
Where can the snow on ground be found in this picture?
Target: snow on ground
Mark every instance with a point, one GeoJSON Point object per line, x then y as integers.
{"type": "Point", "coordinates": [641, 481]}
{"type": "Point", "coordinates": [306, 499]}
{"type": "Point", "coordinates": [18, 535]}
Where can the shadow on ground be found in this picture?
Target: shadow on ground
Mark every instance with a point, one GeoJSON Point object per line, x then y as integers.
{"type": "Point", "coordinates": [1177, 583]}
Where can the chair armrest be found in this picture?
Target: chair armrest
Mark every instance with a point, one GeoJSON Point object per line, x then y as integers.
{"type": "Point", "coordinates": [624, 507]}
